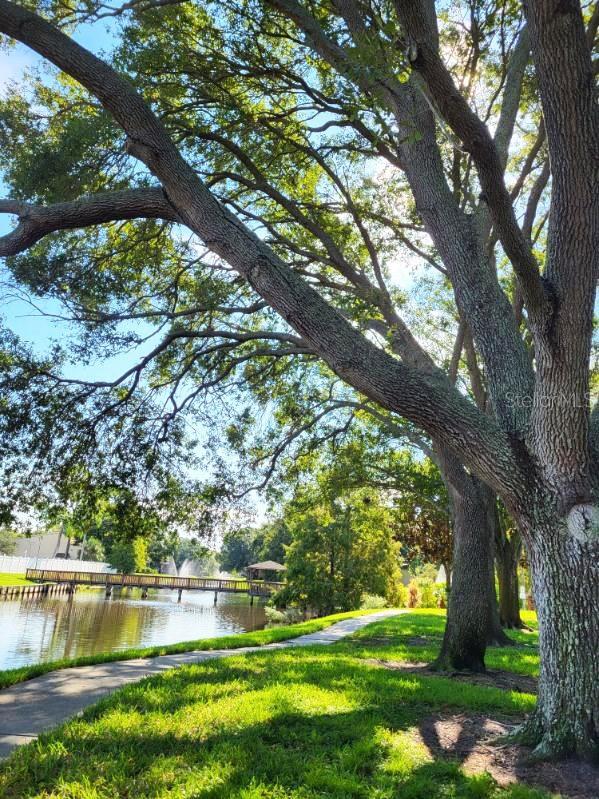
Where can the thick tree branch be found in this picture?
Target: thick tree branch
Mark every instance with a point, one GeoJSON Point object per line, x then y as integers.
{"type": "Point", "coordinates": [457, 352]}
{"type": "Point", "coordinates": [35, 221]}
{"type": "Point", "coordinates": [512, 92]}
{"type": "Point", "coordinates": [570, 106]}
{"type": "Point", "coordinates": [453, 232]}
{"type": "Point", "coordinates": [422, 398]}
{"type": "Point", "coordinates": [563, 66]}
{"type": "Point", "coordinates": [476, 140]}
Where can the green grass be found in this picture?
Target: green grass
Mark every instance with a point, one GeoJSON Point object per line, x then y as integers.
{"type": "Point", "coordinates": [258, 638]}
{"type": "Point", "coordinates": [416, 637]}
{"type": "Point", "coordinates": [310, 723]}
{"type": "Point", "coordinates": [14, 579]}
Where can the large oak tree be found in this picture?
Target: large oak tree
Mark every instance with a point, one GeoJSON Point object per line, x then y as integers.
{"type": "Point", "coordinates": [537, 444]}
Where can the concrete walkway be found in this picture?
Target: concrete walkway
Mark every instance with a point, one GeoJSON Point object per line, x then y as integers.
{"type": "Point", "coordinates": [31, 707]}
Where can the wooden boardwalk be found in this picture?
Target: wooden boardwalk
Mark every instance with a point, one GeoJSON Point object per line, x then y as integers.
{"type": "Point", "coordinates": [41, 589]}
{"type": "Point", "coordinates": [108, 581]}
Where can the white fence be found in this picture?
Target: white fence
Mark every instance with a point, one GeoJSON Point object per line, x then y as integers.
{"type": "Point", "coordinates": [15, 565]}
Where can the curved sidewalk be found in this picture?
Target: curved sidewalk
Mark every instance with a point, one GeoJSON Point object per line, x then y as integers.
{"type": "Point", "coordinates": [30, 708]}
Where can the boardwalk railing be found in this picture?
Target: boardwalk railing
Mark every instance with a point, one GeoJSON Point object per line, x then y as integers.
{"type": "Point", "coordinates": [251, 587]}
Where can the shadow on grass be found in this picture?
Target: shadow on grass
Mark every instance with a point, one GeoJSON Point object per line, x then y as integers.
{"type": "Point", "coordinates": [416, 638]}
{"type": "Point", "coordinates": [337, 755]}
{"type": "Point", "coordinates": [271, 725]}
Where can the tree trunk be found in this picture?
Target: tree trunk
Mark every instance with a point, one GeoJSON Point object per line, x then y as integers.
{"type": "Point", "coordinates": [447, 569]}
{"type": "Point", "coordinates": [469, 610]}
{"type": "Point", "coordinates": [507, 556]}
{"type": "Point", "coordinates": [496, 635]}
{"type": "Point", "coordinates": [564, 560]}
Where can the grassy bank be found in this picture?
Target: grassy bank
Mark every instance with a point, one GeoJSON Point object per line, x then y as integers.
{"type": "Point", "coordinates": [281, 724]}
{"type": "Point", "coordinates": [418, 639]}
{"type": "Point", "coordinates": [14, 579]}
{"type": "Point", "coordinates": [258, 638]}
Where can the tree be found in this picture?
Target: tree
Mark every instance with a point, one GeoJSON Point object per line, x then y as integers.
{"type": "Point", "coordinates": [341, 548]}
{"type": "Point", "coordinates": [366, 447]}
{"type": "Point", "coordinates": [379, 75]}
{"type": "Point", "coordinates": [237, 550]}
{"type": "Point", "coordinates": [8, 541]}
{"type": "Point", "coordinates": [243, 546]}
{"type": "Point", "coordinates": [192, 549]}
{"type": "Point", "coordinates": [130, 556]}
{"type": "Point", "coordinates": [472, 621]}
{"type": "Point", "coordinates": [271, 540]}
{"type": "Point", "coordinates": [423, 517]}
{"type": "Point", "coordinates": [93, 549]}
{"type": "Point", "coordinates": [508, 553]}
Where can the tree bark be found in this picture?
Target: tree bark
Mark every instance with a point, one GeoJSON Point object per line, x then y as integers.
{"type": "Point", "coordinates": [448, 570]}
{"type": "Point", "coordinates": [496, 635]}
{"type": "Point", "coordinates": [564, 560]}
{"type": "Point", "coordinates": [469, 615]}
{"type": "Point", "coordinates": [507, 556]}
{"type": "Point", "coordinates": [495, 632]}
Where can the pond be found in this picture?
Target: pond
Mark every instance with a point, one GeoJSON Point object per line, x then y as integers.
{"type": "Point", "coordinates": [39, 630]}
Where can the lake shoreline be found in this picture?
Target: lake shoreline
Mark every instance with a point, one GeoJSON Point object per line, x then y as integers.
{"type": "Point", "coordinates": [48, 624]}
{"type": "Point", "coordinates": [262, 637]}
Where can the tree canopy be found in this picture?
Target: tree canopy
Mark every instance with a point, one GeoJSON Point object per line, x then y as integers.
{"type": "Point", "coordinates": [236, 185]}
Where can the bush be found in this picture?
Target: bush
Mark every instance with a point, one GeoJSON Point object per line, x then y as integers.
{"type": "Point", "coordinates": [413, 594]}
{"type": "Point", "coordinates": [424, 594]}
{"type": "Point", "coordinates": [274, 616]}
{"type": "Point", "coordinates": [291, 615]}
{"type": "Point", "coordinates": [399, 597]}
{"type": "Point", "coordinates": [373, 601]}
{"type": "Point", "coordinates": [428, 595]}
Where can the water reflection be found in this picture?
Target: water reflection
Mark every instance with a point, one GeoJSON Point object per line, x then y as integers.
{"type": "Point", "coordinates": [37, 630]}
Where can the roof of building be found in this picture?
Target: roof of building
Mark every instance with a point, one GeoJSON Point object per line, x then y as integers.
{"type": "Point", "coordinates": [268, 565]}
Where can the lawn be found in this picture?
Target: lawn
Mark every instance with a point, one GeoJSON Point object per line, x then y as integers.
{"type": "Point", "coordinates": [417, 638]}
{"type": "Point", "coordinates": [14, 579]}
{"type": "Point", "coordinates": [283, 724]}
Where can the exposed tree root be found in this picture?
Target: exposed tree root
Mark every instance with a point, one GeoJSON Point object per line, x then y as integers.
{"type": "Point", "coordinates": [550, 744]}
{"type": "Point", "coordinates": [449, 664]}
{"type": "Point", "coordinates": [499, 638]}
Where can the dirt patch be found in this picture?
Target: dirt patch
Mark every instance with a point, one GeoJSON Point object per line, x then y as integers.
{"type": "Point", "coordinates": [422, 640]}
{"type": "Point", "coordinates": [379, 640]}
{"type": "Point", "coordinates": [468, 739]}
{"type": "Point", "coordinates": [507, 680]}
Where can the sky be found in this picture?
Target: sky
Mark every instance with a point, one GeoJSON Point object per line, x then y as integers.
{"type": "Point", "coordinates": [37, 327]}
{"type": "Point", "coordinates": [29, 324]}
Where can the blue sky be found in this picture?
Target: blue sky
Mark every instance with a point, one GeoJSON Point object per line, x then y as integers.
{"type": "Point", "coordinates": [28, 323]}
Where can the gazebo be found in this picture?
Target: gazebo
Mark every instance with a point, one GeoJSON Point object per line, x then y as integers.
{"type": "Point", "coordinates": [266, 570]}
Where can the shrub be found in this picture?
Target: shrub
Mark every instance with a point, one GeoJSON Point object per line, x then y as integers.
{"type": "Point", "coordinates": [274, 616]}
{"type": "Point", "coordinates": [428, 595]}
{"type": "Point", "coordinates": [290, 615]}
{"type": "Point", "coordinates": [423, 591]}
{"type": "Point", "coordinates": [400, 595]}
{"type": "Point", "coordinates": [413, 594]}
{"type": "Point", "coordinates": [372, 601]}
